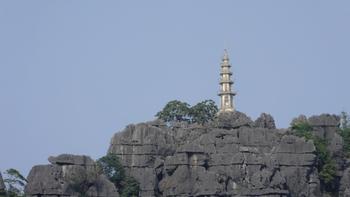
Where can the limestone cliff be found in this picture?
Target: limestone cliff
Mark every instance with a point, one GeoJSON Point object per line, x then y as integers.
{"type": "Point", "coordinates": [231, 156]}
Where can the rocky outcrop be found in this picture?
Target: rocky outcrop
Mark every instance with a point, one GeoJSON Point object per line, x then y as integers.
{"type": "Point", "coordinates": [232, 156]}
{"type": "Point", "coordinates": [265, 121]}
{"type": "Point", "coordinates": [69, 175]}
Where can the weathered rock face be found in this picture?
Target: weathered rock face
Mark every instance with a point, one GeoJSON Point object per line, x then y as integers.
{"type": "Point", "coordinates": [232, 156]}
{"type": "Point", "coordinates": [69, 175]}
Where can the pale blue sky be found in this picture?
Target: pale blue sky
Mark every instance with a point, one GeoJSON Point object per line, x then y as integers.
{"type": "Point", "coordinates": [72, 73]}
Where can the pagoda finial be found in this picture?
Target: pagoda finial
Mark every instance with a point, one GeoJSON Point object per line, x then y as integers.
{"type": "Point", "coordinates": [225, 57]}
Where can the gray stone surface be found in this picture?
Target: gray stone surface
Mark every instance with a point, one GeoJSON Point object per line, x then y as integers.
{"type": "Point", "coordinates": [68, 159]}
{"type": "Point", "coordinates": [233, 120]}
{"type": "Point", "coordinates": [69, 175]}
{"type": "Point", "coordinates": [234, 156]}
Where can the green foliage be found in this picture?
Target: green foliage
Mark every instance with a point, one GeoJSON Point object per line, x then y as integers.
{"type": "Point", "coordinates": [325, 166]}
{"type": "Point", "coordinates": [175, 111]}
{"type": "Point", "coordinates": [345, 132]}
{"type": "Point", "coordinates": [204, 111]}
{"type": "Point", "coordinates": [111, 166]}
{"type": "Point", "coordinates": [180, 111]}
{"type": "Point", "coordinates": [15, 183]}
{"type": "Point", "coordinates": [302, 129]}
{"type": "Point", "coordinates": [131, 188]}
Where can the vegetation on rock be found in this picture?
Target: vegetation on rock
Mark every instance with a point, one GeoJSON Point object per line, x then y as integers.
{"type": "Point", "coordinates": [345, 132]}
{"type": "Point", "coordinates": [111, 166]}
{"type": "Point", "coordinates": [200, 113]}
{"type": "Point", "coordinates": [15, 183]}
{"type": "Point", "coordinates": [325, 164]}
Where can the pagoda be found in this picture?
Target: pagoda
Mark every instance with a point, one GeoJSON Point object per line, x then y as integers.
{"type": "Point", "coordinates": [226, 94]}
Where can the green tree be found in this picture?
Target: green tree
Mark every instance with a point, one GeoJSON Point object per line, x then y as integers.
{"type": "Point", "coordinates": [15, 183]}
{"type": "Point", "coordinates": [175, 111]}
{"type": "Point", "coordinates": [203, 112]}
{"type": "Point", "coordinates": [112, 168]}
{"type": "Point", "coordinates": [131, 188]}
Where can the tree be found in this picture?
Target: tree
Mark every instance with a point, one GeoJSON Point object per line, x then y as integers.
{"type": "Point", "coordinates": [131, 188]}
{"type": "Point", "coordinates": [15, 183]}
{"type": "Point", "coordinates": [112, 168]}
{"type": "Point", "coordinates": [203, 112]}
{"type": "Point", "coordinates": [175, 111]}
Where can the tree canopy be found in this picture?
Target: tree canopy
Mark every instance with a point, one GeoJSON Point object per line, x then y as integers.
{"type": "Point", "coordinates": [111, 166]}
{"type": "Point", "coordinates": [200, 113]}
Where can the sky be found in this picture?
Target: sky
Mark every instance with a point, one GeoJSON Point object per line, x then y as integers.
{"type": "Point", "coordinates": [73, 73]}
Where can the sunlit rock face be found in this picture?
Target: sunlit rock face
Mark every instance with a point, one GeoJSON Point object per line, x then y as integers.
{"type": "Point", "coordinates": [231, 156]}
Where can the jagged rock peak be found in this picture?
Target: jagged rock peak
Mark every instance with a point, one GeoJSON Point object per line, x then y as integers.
{"type": "Point", "coordinates": [233, 120]}
{"type": "Point", "coordinates": [265, 121]}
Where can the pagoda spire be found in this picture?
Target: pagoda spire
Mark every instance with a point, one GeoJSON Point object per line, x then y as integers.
{"type": "Point", "coordinates": [226, 94]}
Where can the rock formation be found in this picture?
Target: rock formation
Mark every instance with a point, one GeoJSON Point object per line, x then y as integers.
{"type": "Point", "coordinates": [69, 175]}
{"type": "Point", "coordinates": [231, 156]}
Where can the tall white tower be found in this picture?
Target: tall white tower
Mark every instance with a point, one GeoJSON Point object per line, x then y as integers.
{"type": "Point", "coordinates": [226, 94]}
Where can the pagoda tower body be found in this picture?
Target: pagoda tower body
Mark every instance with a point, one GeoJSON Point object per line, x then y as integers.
{"type": "Point", "coordinates": [226, 94]}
